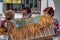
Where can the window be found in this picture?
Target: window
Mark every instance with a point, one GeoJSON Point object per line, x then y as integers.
{"type": "Point", "coordinates": [17, 6]}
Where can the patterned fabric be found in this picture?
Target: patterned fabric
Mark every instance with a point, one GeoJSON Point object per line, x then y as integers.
{"type": "Point", "coordinates": [56, 26]}
{"type": "Point", "coordinates": [5, 32]}
{"type": "Point", "coordinates": [5, 28]}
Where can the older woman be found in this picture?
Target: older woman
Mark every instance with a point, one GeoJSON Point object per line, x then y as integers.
{"type": "Point", "coordinates": [50, 12]}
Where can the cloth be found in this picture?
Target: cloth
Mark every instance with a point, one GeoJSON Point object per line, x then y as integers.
{"type": "Point", "coordinates": [56, 26]}
{"type": "Point", "coordinates": [5, 28]}
{"type": "Point", "coordinates": [29, 15]}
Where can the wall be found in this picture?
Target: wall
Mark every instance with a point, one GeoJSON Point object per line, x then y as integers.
{"type": "Point", "coordinates": [44, 5]}
{"type": "Point", "coordinates": [57, 11]}
{"type": "Point", "coordinates": [54, 3]}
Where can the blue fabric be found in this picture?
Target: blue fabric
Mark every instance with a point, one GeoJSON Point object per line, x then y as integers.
{"type": "Point", "coordinates": [30, 15]}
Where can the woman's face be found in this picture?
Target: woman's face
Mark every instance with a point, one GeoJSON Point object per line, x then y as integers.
{"type": "Point", "coordinates": [51, 14]}
{"type": "Point", "coordinates": [46, 12]}
{"type": "Point", "coordinates": [7, 16]}
{"type": "Point", "coordinates": [24, 12]}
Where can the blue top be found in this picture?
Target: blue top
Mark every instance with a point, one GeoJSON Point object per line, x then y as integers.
{"type": "Point", "coordinates": [30, 14]}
